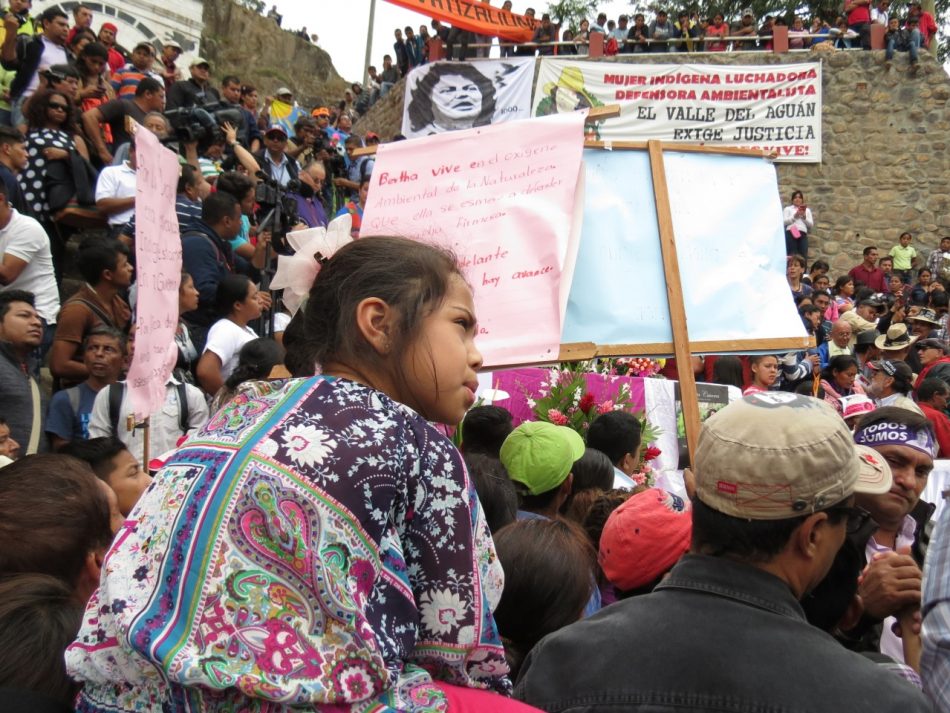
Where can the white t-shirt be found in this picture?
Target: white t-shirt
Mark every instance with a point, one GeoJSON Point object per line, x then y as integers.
{"type": "Point", "coordinates": [117, 182]}
{"type": "Point", "coordinates": [52, 54]}
{"type": "Point", "coordinates": [24, 238]}
{"type": "Point", "coordinates": [225, 339]}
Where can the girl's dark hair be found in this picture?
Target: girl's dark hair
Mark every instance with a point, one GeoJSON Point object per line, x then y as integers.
{"type": "Point", "coordinates": [840, 283]}
{"type": "Point", "coordinates": [842, 362]}
{"type": "Point", "coordinates": [94, 49]}
{"type": "Point", "coordinates": [756, 358]}
{"type": "Point", "coordinates": [255, 361]}
{"type": "Point", "coordinates": [496, 493]}
{"type": "Point", "coordinates": [798, 193]}
{"type": "Point", "coordinates": [549, 567]}
{"type": "Point", "coordinates": [592, 471]}
{"type": "Point", "coordinates": [36, 108]}
{"type": "Point", "coordinates": [231, 289]}
{"type": "Point", "coordinates": [409, 276]}
{"type": "Point", "coordinates": [39, 617]}
{"type": "Point", "coordinates": [80, 34]}
{"type": "Point", "coordinates": [728, 370]}
{"type": "Point", "coordinates": [820, 265]}
{"type": "Point", "coordinates": [296, 360]}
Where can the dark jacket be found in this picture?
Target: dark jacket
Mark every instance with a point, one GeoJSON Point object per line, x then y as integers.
{"type": "Point", "coordinates": [16, 395]}
{"type": "Point", "coordinates": [716, 635]}
{"type": "Point", "coordinates": [208, 258]}
{"type": "Point", "coordinates": [26, 63]}
{"type": "Point", "coordinates": [188, 93]}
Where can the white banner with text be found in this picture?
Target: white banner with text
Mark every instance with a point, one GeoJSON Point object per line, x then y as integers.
{"type": "Point", "coordinates": [776, 108]}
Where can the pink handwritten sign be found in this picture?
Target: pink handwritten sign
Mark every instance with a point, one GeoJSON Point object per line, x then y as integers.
{"type": "Point", "coordinates": [158, 270]}
{"type": "Point", "coordinates": [503, 198]}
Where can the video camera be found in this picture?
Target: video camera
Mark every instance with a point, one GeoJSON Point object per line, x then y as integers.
{"type": "Point", "coordinates": [199, 123]}
{"type": "Point", "coordinates": [278, 210]}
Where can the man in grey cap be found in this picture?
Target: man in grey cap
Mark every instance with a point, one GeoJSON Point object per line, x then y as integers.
{"type": "Point", "coordinates": [776, 477]}
{"type": "Point", "coordinates": [745, 28]}
{"type": "Point", "coordinates": [194, 91]}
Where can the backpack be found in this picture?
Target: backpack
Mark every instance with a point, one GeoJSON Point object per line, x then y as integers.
{"type": "Point", "coordinates": [117, 391]}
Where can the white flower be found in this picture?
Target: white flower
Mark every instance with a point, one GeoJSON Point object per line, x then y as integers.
{"type": "Point", "coordinates": [307, 444]}
{"type": "Point", "coordinates": [441, 611]}
{"type": "Point", "coordinates": [268, 447]}
{"type": "Point", "coordinates": [531, 403]}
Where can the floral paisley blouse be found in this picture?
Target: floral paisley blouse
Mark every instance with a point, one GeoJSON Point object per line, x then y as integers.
{"type": "Point", "coordinates": [316, 545]}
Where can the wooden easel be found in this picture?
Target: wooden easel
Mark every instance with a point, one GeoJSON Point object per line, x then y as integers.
{"type": "Point", "coordinates": [680, 347]}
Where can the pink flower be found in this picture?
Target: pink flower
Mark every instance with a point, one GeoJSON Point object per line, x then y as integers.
{"type": "Point", "coordinates": [606, 407]}
{"type": "Point", "coordinates": [639, 478]}
{"type": "Point", "coordinates": [556, 417]}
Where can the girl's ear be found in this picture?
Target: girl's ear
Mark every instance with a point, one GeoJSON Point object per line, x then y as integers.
{"type": "Point", "coordinates": [376, 321]}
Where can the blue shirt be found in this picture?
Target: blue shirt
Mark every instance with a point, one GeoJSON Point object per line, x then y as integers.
{"type": "Point", "coordinates": [71, 425]}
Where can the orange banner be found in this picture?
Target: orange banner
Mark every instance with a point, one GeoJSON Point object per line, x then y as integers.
{"type": "Point", "coordinates": [478, 17]}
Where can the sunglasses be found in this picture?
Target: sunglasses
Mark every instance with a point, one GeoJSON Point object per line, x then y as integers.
{"type": "Point", "coordinates": [61, 107]}
{"type": "Point", "coordinates": [857, 517]}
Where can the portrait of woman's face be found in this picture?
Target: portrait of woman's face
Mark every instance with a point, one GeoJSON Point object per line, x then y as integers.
{"type": "Point", "coordinates": [455, 98]}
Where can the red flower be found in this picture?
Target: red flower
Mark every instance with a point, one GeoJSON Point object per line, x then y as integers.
{"type": "Point", "coordinates": [556, 417]}
{"type": "Point", "coordinates": [651, 453]}
{"type": "Point", "coordinates": [587, 402]}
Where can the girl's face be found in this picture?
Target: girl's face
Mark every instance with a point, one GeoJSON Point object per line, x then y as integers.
{"type": "Point", "coordinates": [765, 371]}
{"type": "Point", "coordinates": [250, 100]}
{"type": "Point", "coordinates": [821, 282]}
{"type": "Point", "coordinates": [845, 379]}
{"type": "Point", "coordinates": [440, 367]}
{"type": "Point", "coordinates": [250, 306]}
{"type": "Point", "coordinates": [187, 296]}
{"type": "Point", "coordinates": [924, 278]}
{"type": "Point", "coordinates": [797, 24]}
{"type": "Point", "coordinates": [896, 284]}
{"type": "Point", "coordinates": [797, 199]}
{"type": "Point", "coordinates": [847, 288]}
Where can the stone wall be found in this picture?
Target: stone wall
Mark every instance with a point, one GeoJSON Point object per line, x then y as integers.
{"type": "Point", "coordinates": [885, 167]}
{"type": "Point", "coordinates": [238, 41]}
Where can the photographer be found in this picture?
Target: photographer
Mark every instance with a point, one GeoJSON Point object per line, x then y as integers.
{"type": "Point", "coordinates": [359, 168]}
{"type": "Point", "coordinates": [196, 90]}
{"type": "Point", "coordinates": [274, 161]}
{"type": "Point", "coordinates": [149, 96]}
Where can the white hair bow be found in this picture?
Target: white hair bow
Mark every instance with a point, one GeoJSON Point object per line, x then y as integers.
{"type": "Point", "coordinates": [296, 273]}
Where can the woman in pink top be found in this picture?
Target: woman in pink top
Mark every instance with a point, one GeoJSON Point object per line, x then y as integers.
{"type": "Point", "coordinates": [716, 28]}
{"type": "Point", "coordinates": [764, 368]}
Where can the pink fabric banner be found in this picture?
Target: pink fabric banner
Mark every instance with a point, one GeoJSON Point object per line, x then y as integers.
{"type": "Point", "coordinates": [158, 273]}
{"type": "Point", "coordinates": [502, 197]}
{"type": "Point", "coordinates": [521, 384]}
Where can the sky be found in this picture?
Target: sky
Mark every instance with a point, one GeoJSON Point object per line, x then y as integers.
{"type": "Point", "coordinates": [341, 26]}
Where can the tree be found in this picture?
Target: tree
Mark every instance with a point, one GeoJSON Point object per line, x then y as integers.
{"type": "Point", "coordinates": [567, 14]}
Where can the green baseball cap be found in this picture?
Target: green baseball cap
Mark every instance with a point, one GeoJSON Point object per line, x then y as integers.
{"type": "Point", "coordinates": [540, 455]}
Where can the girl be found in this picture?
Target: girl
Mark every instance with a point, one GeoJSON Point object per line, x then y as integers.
{"type": "Point", "coordinates": [921, 292]}
{"type": "Point", "coordinates": [187, 352]}
{"type": "Point", "coordinates": [717, 28]}
{"type": "Point", "coordinates": [764, 368]}
{"type": "Point", "coordinates": [256, 361]}
{"type": "Point", "coordinates": [798, 221]}
{"type": "Point", "coordinates": [838, 380]}
{"type": "Point", "coordinates": [237, 303]}
{"type": "Point", "coordinates": [843, 293]}
{"type": "Point", "coordinates": [318, 543]}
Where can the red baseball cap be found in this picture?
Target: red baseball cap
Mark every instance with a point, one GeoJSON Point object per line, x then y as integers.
{"type": "Point", "coordinates": [644, 538]}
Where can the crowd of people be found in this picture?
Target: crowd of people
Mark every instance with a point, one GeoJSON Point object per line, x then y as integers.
{"type": "Point", "coordinates": [684, 31]}
{"type": "Point", "coordinates": [307, 534]}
